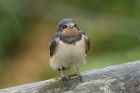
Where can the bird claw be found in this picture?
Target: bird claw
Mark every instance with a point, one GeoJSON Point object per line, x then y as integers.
{"type": "Point", "coordinates": [65, 77]}
{"type": "Point", "coordinates": [80, 76]}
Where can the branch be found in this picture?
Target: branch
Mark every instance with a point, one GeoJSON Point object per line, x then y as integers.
{"type": "Point", "coordinates": [123, 78]}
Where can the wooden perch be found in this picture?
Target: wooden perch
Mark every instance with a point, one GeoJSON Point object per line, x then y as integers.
{"type": "Point", "coordinates": [123, 78]}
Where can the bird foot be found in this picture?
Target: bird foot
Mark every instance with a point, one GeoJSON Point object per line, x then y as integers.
{"type": "Point", "coordinates": [65, 77]}
{"type": "Point", "coordinates": [80, 76]}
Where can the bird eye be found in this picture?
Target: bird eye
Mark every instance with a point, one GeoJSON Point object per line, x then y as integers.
{"type": "Point", "coordinates": [75, 25]}
{"type": "Point", "coordinates": [64, 26]}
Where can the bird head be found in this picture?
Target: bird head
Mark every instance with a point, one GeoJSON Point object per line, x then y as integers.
{"type": "Point", "coordinates": [68, 27]}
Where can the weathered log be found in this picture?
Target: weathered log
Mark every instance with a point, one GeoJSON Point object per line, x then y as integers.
{"type": "Point", "coordinates": [123, 78]}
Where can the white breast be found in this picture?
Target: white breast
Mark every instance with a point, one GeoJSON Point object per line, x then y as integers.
{"type": "Point", "coordinates": [69, 55]}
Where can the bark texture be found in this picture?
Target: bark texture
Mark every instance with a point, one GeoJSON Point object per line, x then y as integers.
{"type": "Point", "coordinates": [123, 78]}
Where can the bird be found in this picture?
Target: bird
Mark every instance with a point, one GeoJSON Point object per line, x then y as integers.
{"type": "Point", "coordinates": [68, 47]}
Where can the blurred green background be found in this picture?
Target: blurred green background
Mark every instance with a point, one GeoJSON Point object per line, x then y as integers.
{"type": "Point", "coordinates": [27, 26]}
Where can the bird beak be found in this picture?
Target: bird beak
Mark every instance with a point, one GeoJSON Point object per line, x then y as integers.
{"type": "Point", "coordinates": [70, 26]}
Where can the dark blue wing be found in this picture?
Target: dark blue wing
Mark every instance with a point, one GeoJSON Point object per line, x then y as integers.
{"type": "Point", "coordinates": [53, 44]}
{"type": "Point", "coordinates": [87, 41]}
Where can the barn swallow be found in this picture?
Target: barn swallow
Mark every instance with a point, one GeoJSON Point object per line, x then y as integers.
{"type": "Point", "coordinates": [68, 47]}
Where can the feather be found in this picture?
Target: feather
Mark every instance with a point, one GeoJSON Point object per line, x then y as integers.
{"type": "Point", "coordinates": [87, 40]}
{"type": "Point", "coordinates": [53, 44]}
